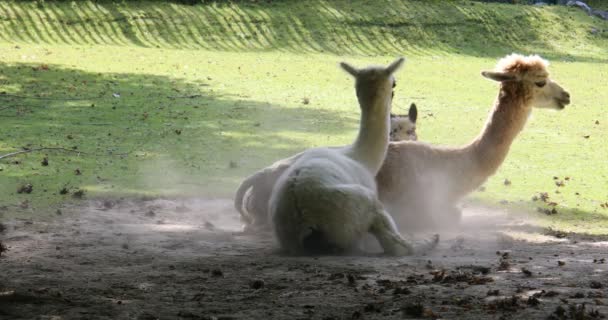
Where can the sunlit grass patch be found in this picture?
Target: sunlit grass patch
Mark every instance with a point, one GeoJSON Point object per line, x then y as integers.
{"type": "Point", "coordinates": [166, 99]}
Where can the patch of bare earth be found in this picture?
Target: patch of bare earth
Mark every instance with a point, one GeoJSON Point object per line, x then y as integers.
{"type": "Point", "coordinates": [185, 259]}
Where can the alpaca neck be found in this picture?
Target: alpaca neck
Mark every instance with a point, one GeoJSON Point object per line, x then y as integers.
{"type": "Point", "coordinates": [369, 148]}
{"type": "Point", "coordinates": [508, 118]}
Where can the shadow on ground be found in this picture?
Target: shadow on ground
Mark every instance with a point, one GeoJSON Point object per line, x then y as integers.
{"type": "Point", "coordinates": [137, 133]}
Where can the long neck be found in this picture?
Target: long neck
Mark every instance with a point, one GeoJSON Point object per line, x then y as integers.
{"type": "Point", "coordinates": [371, 144]}
{"type": "Point", "coordinates": [508, 118]}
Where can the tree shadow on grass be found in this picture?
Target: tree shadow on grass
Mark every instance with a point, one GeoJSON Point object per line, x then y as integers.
{"type": "Point", "coordinates": [337, 27]}
{"type": "Point", "coordinates": [139, 133]}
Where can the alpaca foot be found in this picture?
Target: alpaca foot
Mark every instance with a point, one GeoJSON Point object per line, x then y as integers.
{"type": "Point", "coordinates": [427, 245]}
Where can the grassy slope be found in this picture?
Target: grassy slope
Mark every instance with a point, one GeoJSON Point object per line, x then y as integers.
{"type": "Point", "coordinates": [248, 68]}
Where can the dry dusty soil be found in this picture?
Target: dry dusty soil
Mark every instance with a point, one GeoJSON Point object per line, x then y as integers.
{"type": "Point", "coordinates": [185, 259]}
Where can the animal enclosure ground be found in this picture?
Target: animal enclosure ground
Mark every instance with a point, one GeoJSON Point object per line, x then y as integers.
{"type": "Point", "coordinates": [158, 100]}
{"type": "Point", "coordinates": [184, 259]}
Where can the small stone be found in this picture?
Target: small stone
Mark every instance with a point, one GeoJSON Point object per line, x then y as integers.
{"type": "Point", "coordinates": [78, 194]}
{"type": "Point", "coordinates": [26, 188]}
{"type": "Point", "coordinates": [351, 279]}
{"type": "Point", "coordinates": [495, 292]}
{"type": "Point", "coordinates": [401, 290]}
{"type": "Point", "coordinates": [3, 248]}
{"type": "Point", "coordinates": [413, 310]}
{"type": "Point", "coordinates": [209, 226]}
{"type": "Point", "coordinates": [256, 284]}
{"type": "Point", "coordinates": [533, 301]}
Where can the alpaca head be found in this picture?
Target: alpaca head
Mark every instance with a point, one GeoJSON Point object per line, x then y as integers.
{"type": "Point", "coordinates": [403, 127]}
{"type": "Point", "coordinates": [530, 73]}
{"type": "Point", "coordinates": [374, 85]}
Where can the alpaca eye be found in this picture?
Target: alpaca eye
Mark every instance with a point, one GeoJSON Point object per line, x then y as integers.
{"type": "Point", "coordinates": [540, 84]}
{"type": "Point", "coordinates": [394, 84]}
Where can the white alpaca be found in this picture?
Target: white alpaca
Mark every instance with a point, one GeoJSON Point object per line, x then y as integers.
{"type": "Point", "coordinates": [327, 201]}
{"type": "Point", "coordinates": [420, 184]}
{"type": "Point", "coordinates": [252, 196]}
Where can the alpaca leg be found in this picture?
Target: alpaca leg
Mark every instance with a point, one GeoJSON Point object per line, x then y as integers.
{"type": "Point", "coordinates": [256, 206]}
{"type": "Point", "coordinates": [384, 229]}
{"type": "Point", "coordinates": [393, 243]}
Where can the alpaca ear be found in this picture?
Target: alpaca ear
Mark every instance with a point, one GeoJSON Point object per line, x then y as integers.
{"type": "Point", "coordinates": [350, 69]}
{"type": "Point", "coordinates": [413, 113]}
{"type": "Point", "coordinates": [499, 76]}
{"type": "Point", "coordinates": [395, 65]}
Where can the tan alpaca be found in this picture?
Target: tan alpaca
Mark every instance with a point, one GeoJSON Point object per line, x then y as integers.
{"type": "Point", "coordinates": [327, 201]}
{"type": "Point", "coordinates": [420, 184]}
{"type": "Point", "coordinates": [252, 195]}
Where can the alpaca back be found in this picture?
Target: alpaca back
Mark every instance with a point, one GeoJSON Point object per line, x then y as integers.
{"type": "Point", "coordinates": [303, 201]}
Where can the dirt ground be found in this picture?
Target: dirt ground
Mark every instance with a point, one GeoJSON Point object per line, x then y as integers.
{"type": "Point", "coordinates": [185, 259]}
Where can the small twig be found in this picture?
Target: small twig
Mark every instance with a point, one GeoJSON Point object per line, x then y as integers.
{"type": "Point", "coordinates": [185, 97]}
{"type": "Point", "coordinates": [48, 98]}
{"type": "Point", "coordinates": [14, 106]}
{"type": "Point", "coordinates": [39, 149]}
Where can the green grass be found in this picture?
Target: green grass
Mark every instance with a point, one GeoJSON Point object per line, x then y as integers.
{"type": "Point", "coordinates": [597, 4]}
{"type": "Point", "coordinates": [233, 78]}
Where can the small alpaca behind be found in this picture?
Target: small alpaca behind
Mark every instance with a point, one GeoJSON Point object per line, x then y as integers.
{"type": "Point", "coordinates": [327, 201]}
{"type": "Point", "coordinates": [403, 127]}
{"type": "Point", "coordinates": [252, 196]}
{"type": "Point", "coordinates": [421, 184]}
